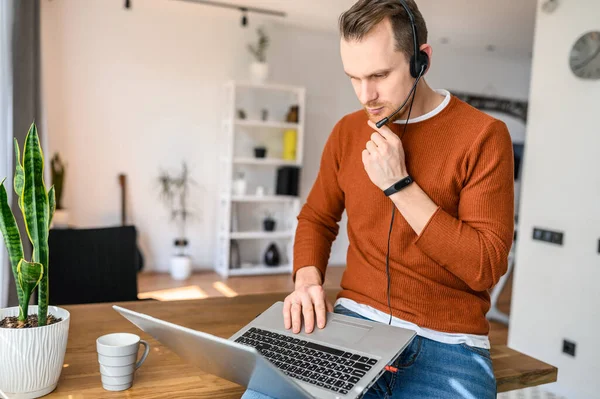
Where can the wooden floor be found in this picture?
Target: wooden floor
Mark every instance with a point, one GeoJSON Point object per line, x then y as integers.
{"type": "Point", "coordinates": [209, 284]}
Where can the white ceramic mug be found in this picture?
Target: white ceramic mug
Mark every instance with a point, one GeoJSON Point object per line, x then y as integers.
{"type": "Point", "coordinates": [117, 355]}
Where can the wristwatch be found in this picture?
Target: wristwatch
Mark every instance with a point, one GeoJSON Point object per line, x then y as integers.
{"type": "Point", "coordinates": [394, 188]}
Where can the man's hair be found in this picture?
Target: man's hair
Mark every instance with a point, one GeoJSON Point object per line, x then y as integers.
{"type": "Point", "coordinates": [364, 15]}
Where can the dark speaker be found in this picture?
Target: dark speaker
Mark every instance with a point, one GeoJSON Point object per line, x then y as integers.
{"type": "Point", "coordinates": [288, 178]}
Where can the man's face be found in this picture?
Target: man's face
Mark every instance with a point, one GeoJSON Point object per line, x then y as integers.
{"type": "Point", "coordinates": [379, 74]}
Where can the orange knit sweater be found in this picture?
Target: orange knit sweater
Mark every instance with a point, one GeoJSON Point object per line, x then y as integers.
{"type": "Point", "coordinates": [462, 158]}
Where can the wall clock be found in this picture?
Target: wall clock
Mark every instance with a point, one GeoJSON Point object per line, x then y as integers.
{"type": "Point", "coordinates": [585, 56]}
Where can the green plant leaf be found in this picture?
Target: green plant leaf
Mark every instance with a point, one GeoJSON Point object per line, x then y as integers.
{"type": "Point", "coordinates": [12, 238]}
{"type": "Point", "coordinates": [19, 181]}
{"type": "Point", "coordinates": [36, 212]}
{"type": "Point", "coordinates": [29, 276]}
{"type": "Point", "coordinates": [51, 205]}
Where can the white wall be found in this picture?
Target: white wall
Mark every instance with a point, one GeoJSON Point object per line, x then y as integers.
{"type": "Point", "coordinates": [133, 91]}
{"type": "Point", "coordinates": [555, 293]}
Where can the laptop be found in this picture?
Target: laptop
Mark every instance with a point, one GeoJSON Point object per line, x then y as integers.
{"type": "Point", "coordinates": [341, 360]}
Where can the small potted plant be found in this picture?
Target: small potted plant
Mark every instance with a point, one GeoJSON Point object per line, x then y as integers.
{"type": "Point", "coordinates": [259, 69]}
{"type": "Point", "coordinates": [175, 191]}
{"type": "Point", "coordinates": [32, 346]}
{"type": "Point", "coordinates": [61, 216]}
{"type": "Point", "coordinates": [260, 151]}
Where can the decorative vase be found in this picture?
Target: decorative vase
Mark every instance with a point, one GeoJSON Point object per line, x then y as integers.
{"type": "Point", "coordinates": [32, 358]}
{"type": "Point", "coordinates": [181, 267]}
{"type": "Point", "coordinates": [239, 185]}
{"type": "Point", "coordinates": [289, 144]}
{"type": "Point", "coordinates": [269, 224]}
{"type": "Point", "coordinates": [293, 114]}
{"type": "Point", "coordinates": [234, 255]}
{"type": "Point", "coordinates": [60, 220]}
{"type": "Point", "coordinates": [259, 72]}
{"type": "Point", "coordinates": [271, 257]}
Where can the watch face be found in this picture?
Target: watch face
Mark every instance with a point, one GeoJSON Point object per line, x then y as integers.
{"type": "Point", "coordinates": [585, 56]}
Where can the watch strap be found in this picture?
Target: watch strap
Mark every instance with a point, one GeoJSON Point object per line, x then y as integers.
{"type": "Point", "coordinates": [399, 185]}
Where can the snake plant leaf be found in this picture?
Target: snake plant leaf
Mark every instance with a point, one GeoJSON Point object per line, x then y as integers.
{"type": "Point", "coordinates": [12, 238]}
{"type": "Point", "coordinates": [29, 276]}
{"type": "Point", "coordinates": [36, 212]}
{"type": "Point", "coordinates": [19, 181]}
{"type": "Point", "coordinates": [51, 205]}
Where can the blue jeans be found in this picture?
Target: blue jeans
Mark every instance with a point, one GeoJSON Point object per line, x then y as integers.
{"type": "Point", "coordinates": [430, 369]}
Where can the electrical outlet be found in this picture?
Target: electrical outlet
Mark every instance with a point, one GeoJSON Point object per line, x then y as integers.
{"type": "Point", "coordinates": [569, 347]}
{"type": "Point", "coordinates": [557, 238]}
{"type": "Point", "coordinates": [553, 237]}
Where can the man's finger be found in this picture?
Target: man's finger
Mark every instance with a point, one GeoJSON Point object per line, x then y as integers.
{"type": "Point", "coordinates": [384, 130]}
{"type": "Point", "coordinates": [309, 314]}
{"type": "Point", "coordinates": [365, 156]}
{"type": "Point", "coordinates": [287, 317]}
{"type": "Point", "coordinates": [296, 316]}
{"type": "Point", "coordinates": [378, 139]}
{"type": "Point", "coordinates": [371, 147]}
{"type": "Point", "coordinates": [320, 309]}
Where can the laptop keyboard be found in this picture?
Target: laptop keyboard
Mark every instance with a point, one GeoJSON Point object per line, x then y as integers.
{"type": "Point", "coordinates": [325, 367]}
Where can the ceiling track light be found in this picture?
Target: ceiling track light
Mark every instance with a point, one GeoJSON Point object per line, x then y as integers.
{"type": "Point", "coordinates": [244, 16]}
{"type": "Point", "coordinates": [245, 10]}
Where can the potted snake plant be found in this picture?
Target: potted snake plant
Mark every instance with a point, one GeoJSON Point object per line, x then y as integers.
{"type": "Point", "coordinates": [32, 346]}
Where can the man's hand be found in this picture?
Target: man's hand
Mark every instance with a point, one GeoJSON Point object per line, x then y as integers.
{"type": "Point", "coordinates": [383, 157]}
{"type": "Point", "coordinates": [307, 300]}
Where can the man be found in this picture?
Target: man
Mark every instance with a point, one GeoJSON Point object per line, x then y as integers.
{"type": "Point", "coordinates": [450, 243]}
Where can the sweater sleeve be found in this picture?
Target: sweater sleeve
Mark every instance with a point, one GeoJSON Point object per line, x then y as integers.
{"type": "Point", "coordinates": [318, 219]}
{"type": "Point", "coordinates": [475, 246]}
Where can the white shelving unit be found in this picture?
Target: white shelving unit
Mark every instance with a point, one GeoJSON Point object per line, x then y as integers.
{"type": "Point", "coordinates": [257, 235]}
{"type": "Point", "coordinates": [262, 161]}
{"type": "Point", "coordinates": [270, 198]}
{"type": "Point", "coordinates": [257, 270]}
{"type": "Point", "coordinates": [259, 124]}
{"type": "Point", "coordinates": [236, 157]}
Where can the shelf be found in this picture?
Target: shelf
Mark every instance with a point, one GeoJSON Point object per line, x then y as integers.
{"type": "Point", "coordinates": [241, 136]}
{"type": "Point", "coordinates": [260, 270]}
{"type": "Point", "coordinates": [259, 235]}
{"type": "Point", "coordinates": [265, 161]}
{"type": "Point", "coordinates": [265, 198]}
{"type": "Point", "coordinates": [267, 86]}
{"type": "Point", "coordinates": [268, 124]}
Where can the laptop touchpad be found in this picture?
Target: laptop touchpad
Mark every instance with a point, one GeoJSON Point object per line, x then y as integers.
{"type": "Point", "coordinates": [345, 331]}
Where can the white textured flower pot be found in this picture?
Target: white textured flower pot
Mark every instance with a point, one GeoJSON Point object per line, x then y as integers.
{"type": "Point", "coordinates": [181, 267]}
{"type": "Point", "coordinates": [259, 72]}
{"type": "Point", "coordinates": [31, 359]}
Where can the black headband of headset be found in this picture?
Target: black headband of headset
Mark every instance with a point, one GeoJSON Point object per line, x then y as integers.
{"type": "Point", "coordinates": [415, 58]}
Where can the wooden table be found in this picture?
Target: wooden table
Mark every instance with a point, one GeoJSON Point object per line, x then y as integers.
{"type": "Point", "coordinates": [165, 375]}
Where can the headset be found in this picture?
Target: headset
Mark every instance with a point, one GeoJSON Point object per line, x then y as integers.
{"type": "Point", "coordinates": [419, 62]}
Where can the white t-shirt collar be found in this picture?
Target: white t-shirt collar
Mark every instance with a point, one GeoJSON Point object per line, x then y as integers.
{"type": "Point", "coordinates": [431, 113]}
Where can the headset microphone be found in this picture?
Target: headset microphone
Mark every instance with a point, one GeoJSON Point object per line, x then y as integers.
{"type": "Point", "coordinates": [387, 118]}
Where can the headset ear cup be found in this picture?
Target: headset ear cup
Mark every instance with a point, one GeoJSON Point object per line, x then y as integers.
{"type": "Point", "coordinates": [413, 72]}
{"type": "Point", "coordinates": [423, 62]}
